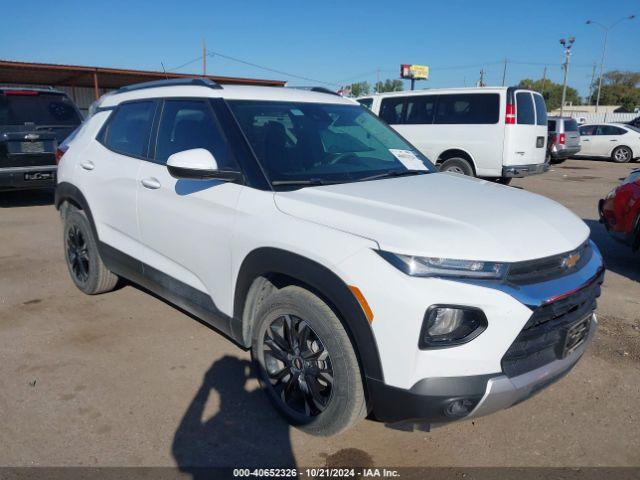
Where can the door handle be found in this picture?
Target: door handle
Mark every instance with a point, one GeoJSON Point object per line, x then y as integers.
{"type": "Point", "coordinates": [585, 139]}
{"type": "Point", "coordinates": [613, 140]}
{"type": "Point", "coordinates": [88, 165]}
{"type": "Point", "coordinates": [150, 183]}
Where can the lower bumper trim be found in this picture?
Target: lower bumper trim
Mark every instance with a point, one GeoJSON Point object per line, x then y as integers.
{"type": "Point", "coordinates": [518, 171]}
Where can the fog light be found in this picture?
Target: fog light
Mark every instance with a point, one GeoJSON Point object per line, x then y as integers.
{"type": "Point", "coordinates": [460, 408]}
{"type": "Point", "coordinates": [448, 325]}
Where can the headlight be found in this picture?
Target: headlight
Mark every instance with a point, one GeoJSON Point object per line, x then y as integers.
{"type": "Point", "coordinates": [445, 267]}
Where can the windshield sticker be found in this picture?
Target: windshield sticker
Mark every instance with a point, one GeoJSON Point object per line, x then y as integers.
{"type": "Point", "coordinates": [296, 112]}
{"type": "Point", "coordinates": [408, 159]}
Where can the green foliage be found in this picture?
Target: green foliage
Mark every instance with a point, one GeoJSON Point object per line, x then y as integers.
{"type": "Point", "coordinates": [620, 88]}
{"type": "Point", "coordinates": [389, 86]}
{"type": "Point", "coordinates": [551, 92]}
{"type": "Point", "coordinates": [360, 88]}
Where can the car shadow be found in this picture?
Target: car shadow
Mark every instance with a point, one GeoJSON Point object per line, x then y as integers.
{"type": "Point", "coordinates": [618, 257]}
{"type": "Point", "coordinates": [26, 198]}
{"type": "Point", "coordinates": [244, 432]}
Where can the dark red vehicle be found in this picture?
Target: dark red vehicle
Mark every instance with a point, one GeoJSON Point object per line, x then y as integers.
{"type": "Point", "coordinates": [620, 211]}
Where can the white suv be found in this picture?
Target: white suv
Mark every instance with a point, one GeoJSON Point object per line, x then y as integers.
{"type": "Point", "coordinates": [302, 227]}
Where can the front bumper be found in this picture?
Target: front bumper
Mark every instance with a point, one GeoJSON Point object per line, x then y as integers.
{"type": "Point", "coordinates": [519, 171]}
{"type": "Point", "coordinates": [431, 400]}
{"type": "Point", "coordinates": [16, 178]}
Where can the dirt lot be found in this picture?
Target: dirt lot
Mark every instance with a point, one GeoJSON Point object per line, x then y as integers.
{"type": "Point", "coordinates": [125, 379]}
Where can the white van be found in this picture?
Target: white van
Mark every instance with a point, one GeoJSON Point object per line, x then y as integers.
{"type": "Point", "coordinates": [492, 132]}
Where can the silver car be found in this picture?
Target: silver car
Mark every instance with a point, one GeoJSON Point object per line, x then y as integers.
{"type": "Point", "coordinates": [564, 138]}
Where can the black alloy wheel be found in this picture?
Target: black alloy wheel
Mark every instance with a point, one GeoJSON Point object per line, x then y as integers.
{"type": "Point", "coordinates": [298, 366]}
{"type": "Point", "coordinates": [78, 254]}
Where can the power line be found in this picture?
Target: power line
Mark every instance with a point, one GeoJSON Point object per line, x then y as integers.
{"type": "Point", "coordinates": [269, 69]}
{"type": "Point", "coordinates": [185, 64]}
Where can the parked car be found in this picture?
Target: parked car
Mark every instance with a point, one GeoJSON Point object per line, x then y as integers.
{"type": "Point", "coordinates": [617, 141]}
{"type": "Point", "coordinates": [635, 122]}
{"type": "Point", "coordinates": [497, 133]}
{"type": "Point", "coordinates": [564, 139]}
{"type": "Point", "coordinates": [33, 121]}
{"type": "Point", "coordinates": [620, 211]}
{"type": "Point", "coordinates": [305, 229]}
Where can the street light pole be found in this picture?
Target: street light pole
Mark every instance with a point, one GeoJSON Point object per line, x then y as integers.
{"type": "Point", "coordinates": [566, 44]}
{"type": "Point", "coordinates": [604, 49]}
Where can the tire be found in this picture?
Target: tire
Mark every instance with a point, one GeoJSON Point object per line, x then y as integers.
{"type": "Point", "coordinates": [557, 161]}
{"type": "Point", "coordinates": [457, 165]}
{"type": "Point", "coordinates": [325, 359]}
{"type": "Point", "coordinates": [621, 154]}
{"type": "Point", "coordinates": [85, 266]}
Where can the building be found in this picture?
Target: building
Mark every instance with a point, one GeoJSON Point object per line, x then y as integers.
{"type": "Point", "coordinates": [85, 84]}
{"type": "Point", "coordinates": [577, 110]}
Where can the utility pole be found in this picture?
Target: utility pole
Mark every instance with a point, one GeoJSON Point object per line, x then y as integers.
{"type": "Point", "coordinates": [544, 79]}
{"type": "Point", "coordinates": [504, 72]}
{"type": "Point", "coordinates": [481, 82]}
{"type": "Point", "coordinates": [204, 58]}
{"type": "Point", "coordinates": [604, 49]}
{"type": "Point", "coordinates": [591, 86]}
{"type": "Point", "coordinates": [377, 80]}
{"type": "Point", "coordinates": [566, 44]}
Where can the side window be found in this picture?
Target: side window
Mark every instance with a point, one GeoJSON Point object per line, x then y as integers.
{"type": "Point", "coordinates": [129, 129]}
{"type": "Point", "coordinates": [366, 102]}
{"type": "Point", "coordinates": [420, 109]}
{"type": "Point", "coordinates": [610, 130]}
{"type": "Point", "coordinates": [391, 110]}
{"type": "Point", "coordinates": [541, 109]}
{"type": "Point", "coordinates": [525, 113]}
{"type": "Point", "coordinates": [588, 130]}
{"type": "Point", "coordinates": [468, 109]}
{"type": "Point", "coordinates": [188, 124]}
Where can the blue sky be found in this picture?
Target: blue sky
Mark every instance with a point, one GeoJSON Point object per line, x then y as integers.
{"type": "Point", "coordinates": [333, 42]}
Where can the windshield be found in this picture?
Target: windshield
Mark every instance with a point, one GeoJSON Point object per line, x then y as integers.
{"type": "Point", "coordinates": [40, 108]}
{"type": "Point", "coordinates": [324, 143]}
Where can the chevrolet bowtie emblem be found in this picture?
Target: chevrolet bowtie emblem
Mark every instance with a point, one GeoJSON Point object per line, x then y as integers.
{"type": "Point", "coordinates": [571, 260]}
{"type": "Point", "coordinates": [31, 136]}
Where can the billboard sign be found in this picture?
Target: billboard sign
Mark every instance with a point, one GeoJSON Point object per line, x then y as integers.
{"type": "Point", "coordinates": [415, 72]}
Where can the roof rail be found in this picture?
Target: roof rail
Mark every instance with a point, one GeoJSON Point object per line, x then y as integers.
{"type": "Point", "coordinates": [172, 82]}
{"type": "Point", "coordinates": [26, 86]}
{"type": "Point", "coordinates": [317, 89]}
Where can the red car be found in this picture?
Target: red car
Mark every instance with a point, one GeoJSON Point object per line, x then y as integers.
{"type": "Point", "coordinates": [620, 211]}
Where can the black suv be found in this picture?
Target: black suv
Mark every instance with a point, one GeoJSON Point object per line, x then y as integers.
{"type": "Point", "coordinates": [33, 122]}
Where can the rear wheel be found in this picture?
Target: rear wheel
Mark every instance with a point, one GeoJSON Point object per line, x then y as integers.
{"type": "Point", "coordinates": [621, 154]}
{"type": "Point", "coordinates": [306, 363]}
{"type": "Point", "coordinates": [457, 165]}
{"type": "Point", "coordinates": [85, 266]}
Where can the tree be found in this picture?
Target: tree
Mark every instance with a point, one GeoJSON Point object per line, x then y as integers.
{"type": "Point", "coordinates": [389, 86]}
{"type": "Point", "coordinates": [618, 77]}
{"type": "Point", "coordinates": [360, 88]}
{"type": "Point", "coordinates": [621, 88]}
{"type": "Point", "coordinates": [551, 92]}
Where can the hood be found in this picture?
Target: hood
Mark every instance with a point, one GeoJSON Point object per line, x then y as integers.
{"type": "Point", "coordinates": [442, 215]}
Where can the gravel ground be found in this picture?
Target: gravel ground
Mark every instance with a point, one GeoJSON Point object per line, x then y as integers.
{"type": "Point", "coordinates": [124, 379]}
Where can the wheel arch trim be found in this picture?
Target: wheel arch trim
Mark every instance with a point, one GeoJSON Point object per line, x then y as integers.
{"type": "Point", "coordinates": [266, 261]}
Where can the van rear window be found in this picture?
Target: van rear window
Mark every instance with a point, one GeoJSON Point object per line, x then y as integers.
{"type": "Point", "coordinates": [40, 108]}
{"type": "Point", "coordinates": [525, 112]}
{"type": "Point", "coordinates": [541, 109]}
{"type": "Point", "coordinates": [468, 108]}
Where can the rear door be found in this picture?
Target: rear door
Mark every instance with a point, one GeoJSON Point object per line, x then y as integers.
{"type": "Point", "coordinates": [587, 138]}
{"type": "Point", "coordinates": [527, 139]}
{"type": "Point", "coordinates": [571, 134]}
{"type": "Point", "coordinates": [607, 138]}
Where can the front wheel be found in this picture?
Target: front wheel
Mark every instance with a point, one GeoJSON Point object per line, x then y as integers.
{"type": "Point", "coordinates": [306, 363]}
{"type": "Point", "coordinates": [621, 155]}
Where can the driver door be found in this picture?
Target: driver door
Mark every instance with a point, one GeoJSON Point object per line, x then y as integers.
{"type": "Point", "coordinates": [186, 225]}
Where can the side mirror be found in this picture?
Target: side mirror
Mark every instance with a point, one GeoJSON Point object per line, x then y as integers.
{"type": "Point", "coordinates": [198, 164]}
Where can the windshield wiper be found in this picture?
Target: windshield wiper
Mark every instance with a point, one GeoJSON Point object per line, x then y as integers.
{"type": "Point", "coordinates": [393, 174]}
{"type": "Point", "coordinates": [306, 181]}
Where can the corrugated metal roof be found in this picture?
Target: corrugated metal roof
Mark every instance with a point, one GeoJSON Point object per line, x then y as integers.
{"type": "Point", "coordinates": [83, 76]}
